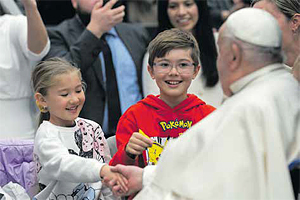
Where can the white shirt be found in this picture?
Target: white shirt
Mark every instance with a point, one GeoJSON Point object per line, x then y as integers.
{"type": "Point", "coordinates": [240, 151]}
{"type": "Point", "coordinates": [18, 114]}
{"type": "Point", "coordinates": [69, 160]}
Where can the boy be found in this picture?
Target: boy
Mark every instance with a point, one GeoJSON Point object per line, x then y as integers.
{"type": "Point", "coordinates": [146, 127]}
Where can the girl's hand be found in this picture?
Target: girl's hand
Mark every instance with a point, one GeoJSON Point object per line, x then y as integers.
{"type": "Point", "coordinates": [133, 175]}
{"type": "Point", "coordinates": [115, 178]}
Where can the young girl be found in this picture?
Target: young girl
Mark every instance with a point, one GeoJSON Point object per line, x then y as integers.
{"type": "Point", "coordinates": [71, 152]}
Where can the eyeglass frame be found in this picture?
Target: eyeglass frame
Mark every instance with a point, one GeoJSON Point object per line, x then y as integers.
{"type": "Point", "coordinates": [191, 64]}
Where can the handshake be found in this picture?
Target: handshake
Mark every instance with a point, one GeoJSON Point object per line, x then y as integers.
{"type": "Point", "coordinates": [122, 180]}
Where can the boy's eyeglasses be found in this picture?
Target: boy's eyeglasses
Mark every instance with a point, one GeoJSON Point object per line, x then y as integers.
{"type": "Point", "coordinates": [182, 67]}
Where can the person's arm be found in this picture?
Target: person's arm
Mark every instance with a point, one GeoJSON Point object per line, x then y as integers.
{"type": "Point", "coordinates": [148, 174]}
{"type": "Point", "coordinates": [115, 177]}
{"type": "Point", "coordinates": [130, 143]}
{"type": "Point", "coordinates": [87, 46]}
{"type": "Point", "coordinates": [134, 176]}
{"type": "Point", "coordinates": [59, 164]}
{"type": "Point", "coordinates": [83, 52]}
{"type": "Point", "coordinates": [104, 18]}
{"type": "Point", "coordinates": [37, 36]}
{"type": "Point", "coordinates": [124, 131]}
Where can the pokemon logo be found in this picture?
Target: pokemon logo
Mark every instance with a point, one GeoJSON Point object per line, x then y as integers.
{"type": "Point", "coordinates": [175, 124]}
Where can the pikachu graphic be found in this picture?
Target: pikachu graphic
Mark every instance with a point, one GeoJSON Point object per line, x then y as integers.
{"type": "Point", "coordinates": [155, 151]}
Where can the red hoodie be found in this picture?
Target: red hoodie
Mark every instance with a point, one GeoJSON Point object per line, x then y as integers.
{"type": "Point", "coordinates": [160, 122]}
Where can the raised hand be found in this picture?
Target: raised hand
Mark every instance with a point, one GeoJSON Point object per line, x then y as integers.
{"type": "Point", "coordinates": [103, 18]}
{"type": "Point", "coordinates": [115, 178]}
{"type": "Point", "coordinates": [29, 3]}
{"type": "Point", "coordinates": [134, 177]}
{"type": "Point", "coordinates": [137, 144]}
{"type": "Point", "coordinates": [37, 36]}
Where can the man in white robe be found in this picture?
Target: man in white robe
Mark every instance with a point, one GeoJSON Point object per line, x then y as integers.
{"type": "Point", "coordinates": [243, 149]}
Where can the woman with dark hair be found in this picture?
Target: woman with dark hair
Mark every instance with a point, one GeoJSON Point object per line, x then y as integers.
{"type": "Point", "coordinates": [192, 16]}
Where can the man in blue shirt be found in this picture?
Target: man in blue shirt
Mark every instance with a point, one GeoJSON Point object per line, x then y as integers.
{"type": "Point", "coordinates": [80, 40]}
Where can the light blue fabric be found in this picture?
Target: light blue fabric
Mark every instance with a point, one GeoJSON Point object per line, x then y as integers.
{"type": "Point", "coordinates": [129, 92]}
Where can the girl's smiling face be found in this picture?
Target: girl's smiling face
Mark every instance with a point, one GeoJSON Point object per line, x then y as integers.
{"type": "Point", "coordinates": [65, 99]}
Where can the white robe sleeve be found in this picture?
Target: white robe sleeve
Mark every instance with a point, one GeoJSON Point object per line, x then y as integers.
{"type": "Point", "coordinates": [223, 157]}
{"type": "Point", "coordinates": [148, 174]}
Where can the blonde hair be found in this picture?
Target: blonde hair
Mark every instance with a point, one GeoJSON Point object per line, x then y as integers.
{"type": "Point", "coordinates": [44, 74]}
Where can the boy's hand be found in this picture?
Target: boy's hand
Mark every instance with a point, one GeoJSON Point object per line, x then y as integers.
{"type": "Point", "coordinates": [115, 178]}
{"type": "Point", "coordinates": [137, 144]}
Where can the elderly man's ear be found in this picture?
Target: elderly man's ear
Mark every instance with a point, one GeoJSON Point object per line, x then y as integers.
{"type": "Point", "coordinates": [295, 23]}
{"type": "Point", "coordinates": [236, 53]}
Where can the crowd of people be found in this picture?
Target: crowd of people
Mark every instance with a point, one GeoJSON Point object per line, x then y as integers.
{"type": "Point", "coordinates": [208, 108]}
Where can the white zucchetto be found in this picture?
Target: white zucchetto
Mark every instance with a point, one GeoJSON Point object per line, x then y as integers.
{"type": "Point", "coordinates": [255, 26]}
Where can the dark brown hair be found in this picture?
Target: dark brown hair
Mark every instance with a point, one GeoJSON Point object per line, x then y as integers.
{"type": "Point", "coordinates": [203, 34]}
{"type": "Point", "coordinates": [171, 39]}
